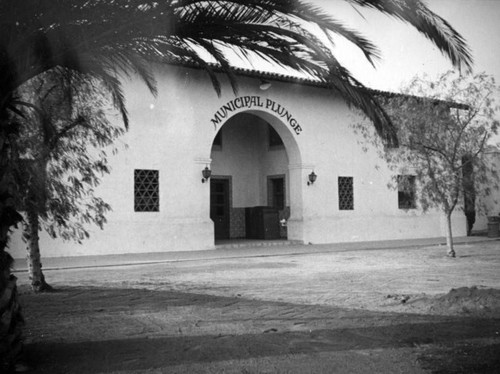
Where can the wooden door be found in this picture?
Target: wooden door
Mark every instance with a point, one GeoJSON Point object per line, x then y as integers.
{"type": "Point", "coordinates": [219, 207]}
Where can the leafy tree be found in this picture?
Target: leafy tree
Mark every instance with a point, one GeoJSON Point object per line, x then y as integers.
{"type": "Point", "coordinates": [62, 142]}
{"type": "Point", "coordinates": [445, 142]}
{"type": "Point", "coordinates": [110, 39]}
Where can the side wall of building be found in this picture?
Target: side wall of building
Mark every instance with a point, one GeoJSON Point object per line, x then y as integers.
{"type": "Point", "coordinates": [488, 196]}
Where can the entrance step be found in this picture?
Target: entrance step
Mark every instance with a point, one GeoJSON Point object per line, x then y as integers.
{"type": "Point", "coordinates": [250, 243]}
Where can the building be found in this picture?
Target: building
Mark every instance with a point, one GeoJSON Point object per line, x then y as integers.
{"type": "Point", "coordinates": [261, 147]}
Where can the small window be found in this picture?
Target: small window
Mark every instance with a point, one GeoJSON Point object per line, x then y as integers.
{"type": "Point", "coordinates": [146, 190]}
{"type": "Point", "coordinates": [274, 138]}
{"type": "Point", "coordinates": [406, 192]}
{"type": "Point", "coordinates": [346, 193]}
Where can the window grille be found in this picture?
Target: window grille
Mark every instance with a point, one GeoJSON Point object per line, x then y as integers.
{"type": "Point", "coordinates": [146, 190]}
{"type": "Point", "coordinates": [406, 192]}
{"type": "Point", "coordinates": [346, 193]}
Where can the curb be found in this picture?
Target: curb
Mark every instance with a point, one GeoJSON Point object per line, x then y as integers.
{"type": "Point", "coordinates": [254, 250]}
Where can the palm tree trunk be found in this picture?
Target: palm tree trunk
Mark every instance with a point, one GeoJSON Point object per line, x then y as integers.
{"type": "Point", "coordinates": [11, 320]}
{"type": "Point", "coordinates": [449, 236]}
{"type": "Point", "coordinates": [32, 228]}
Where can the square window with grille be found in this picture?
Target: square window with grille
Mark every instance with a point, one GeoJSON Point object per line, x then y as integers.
{"type": "Point", "coordinates": [146, 190]}
{"type": "Point", "coordinates": [346, 193]}
{"type": "Point", "coordinates": [406, 192]}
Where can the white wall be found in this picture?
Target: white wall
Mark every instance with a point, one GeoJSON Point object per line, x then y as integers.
{"type": "Point", "coordinates": [174, 132]}
{"type": "Point", "coordinates": [488, 196]}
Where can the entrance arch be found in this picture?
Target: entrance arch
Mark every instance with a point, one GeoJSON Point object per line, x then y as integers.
{"type": "Point", "coordinates": [255, 171]}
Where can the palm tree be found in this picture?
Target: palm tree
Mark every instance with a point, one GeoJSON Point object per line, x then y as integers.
{"type": "Point", "coordinates": [112, 39]}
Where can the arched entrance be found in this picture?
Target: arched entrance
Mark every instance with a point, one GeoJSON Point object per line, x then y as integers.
{"type": "Point", "coordinates": [254, 191]}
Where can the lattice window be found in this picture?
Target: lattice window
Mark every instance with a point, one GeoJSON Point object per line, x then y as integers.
{"type": "Point", "coordinates": [146, 190]}
{"type": "Point", "coordinates": [346, 193]}
{"type": "Point", "coordinates": [406, 192]}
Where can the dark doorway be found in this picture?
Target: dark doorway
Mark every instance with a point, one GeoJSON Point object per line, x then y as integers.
{"type": "Point", "coordinates": [276, 192]}
{"type": "Point", "coordinates": [219, 207]}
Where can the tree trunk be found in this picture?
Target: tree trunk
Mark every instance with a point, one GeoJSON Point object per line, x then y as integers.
{"type": "Point", "coordinates": [469, 192]}
{"type": "Point", "coordinates": [32, 228]}
{"type": "Point", "coordinates": [11, 320]}
{"type": "Point", "coordinates": [449, 236]}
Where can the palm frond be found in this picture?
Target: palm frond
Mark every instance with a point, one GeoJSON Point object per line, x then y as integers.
{"type": "Point", "coordinates": [287, 13]}
{"type": "Point", "coordinates": [112, 84]}
{"type": "Point", "coordinates": [218, 54]}
{"type": "Point", "coordinates": [112, 38]}
{"type": "Point", "coordinates": [179, 50]}
{"type": "Point", "coordinates": [432, 26]}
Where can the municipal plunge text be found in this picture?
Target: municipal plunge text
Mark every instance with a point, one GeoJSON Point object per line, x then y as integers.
{"type": "Point", "coordinates": [250, 102]}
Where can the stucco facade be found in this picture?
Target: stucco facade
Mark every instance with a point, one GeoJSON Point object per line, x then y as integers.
{"type": "Point", "coordinates": [174, 133]}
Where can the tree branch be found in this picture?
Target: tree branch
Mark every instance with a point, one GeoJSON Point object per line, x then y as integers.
{"type": "Point", "coordinates": [79, 121]}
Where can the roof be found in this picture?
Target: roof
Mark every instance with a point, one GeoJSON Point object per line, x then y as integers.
{"type": "Point", "coordinates": [308, 81]}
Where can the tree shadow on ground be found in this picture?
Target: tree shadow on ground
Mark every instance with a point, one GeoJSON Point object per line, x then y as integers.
{"type": "Point", "coordinates": [462, 357]}
{"type": "Point", "coordinates": [89, 330]}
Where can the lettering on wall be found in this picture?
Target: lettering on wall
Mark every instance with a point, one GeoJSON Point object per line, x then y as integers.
{"type": "Point", "coordinates": [252, 102]}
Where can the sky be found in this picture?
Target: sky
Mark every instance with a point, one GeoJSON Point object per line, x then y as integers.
{"type": "Point", "coordinates": [405, 52]}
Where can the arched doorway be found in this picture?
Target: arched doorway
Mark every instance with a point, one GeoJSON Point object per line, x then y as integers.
{"type": "Point", "coordinates": [252, 191]}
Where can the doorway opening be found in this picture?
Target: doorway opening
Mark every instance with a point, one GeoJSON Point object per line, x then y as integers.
{"type": "Point", "coordinates": [249, 197]}
{"type": "Point", "coordinates": [220, 207]}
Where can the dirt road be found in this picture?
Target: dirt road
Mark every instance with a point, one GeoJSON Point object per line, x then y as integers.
{"type": "Point", "coordinates": [380, 311]}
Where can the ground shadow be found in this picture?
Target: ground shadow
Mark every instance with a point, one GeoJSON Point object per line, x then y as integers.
{"type": "Point", "coordinates": [462, 357]}
{"type": "Point", "coordinates": [88, 330]}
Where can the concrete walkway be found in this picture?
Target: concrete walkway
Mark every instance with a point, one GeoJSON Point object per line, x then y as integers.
{"type": "Point", "coordinates": [237, 249]}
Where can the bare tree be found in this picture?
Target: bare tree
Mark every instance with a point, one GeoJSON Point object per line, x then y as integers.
{"type": "Point", "coordinates": [445, 128]}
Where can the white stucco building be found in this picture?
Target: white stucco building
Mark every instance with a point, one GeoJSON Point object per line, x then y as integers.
{"type": "Point", "coordinates": [261, 146]}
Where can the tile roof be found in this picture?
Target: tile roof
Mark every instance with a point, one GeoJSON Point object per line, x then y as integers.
{"type": "Point", "coordinates": [307, 81]}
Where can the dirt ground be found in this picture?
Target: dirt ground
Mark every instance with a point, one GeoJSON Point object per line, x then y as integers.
{"type": "Point", "coordinates": [380, 311]}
